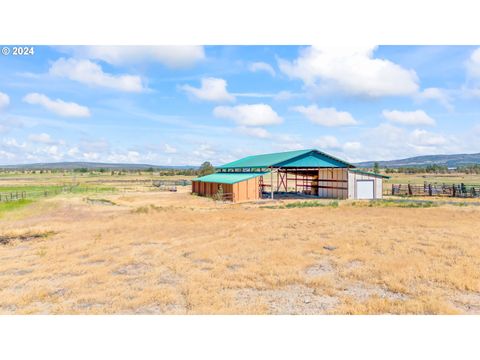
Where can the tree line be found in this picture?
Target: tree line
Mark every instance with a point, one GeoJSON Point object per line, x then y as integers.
{"type": "Point", "coordinates": [435, 169]}
{"type": "Point", "coordinates": [204, 169]}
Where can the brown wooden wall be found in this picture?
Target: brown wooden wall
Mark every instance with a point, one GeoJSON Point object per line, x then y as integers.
{"type": "Point", "coordinates": [247, 190]}
{"type": "Point", "coordinates": [333, 183]}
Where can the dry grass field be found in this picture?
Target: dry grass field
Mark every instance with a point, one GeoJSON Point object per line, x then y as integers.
{"type": "Point", "coordinates": [154, 252]}
{"type": "Point", "coordinates": [454, 178]}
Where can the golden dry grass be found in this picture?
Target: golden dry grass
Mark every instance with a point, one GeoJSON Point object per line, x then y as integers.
{"type": "Point", "coordinates": [452, 178]}
{"type": "Point", "coordinates": [174, 253]}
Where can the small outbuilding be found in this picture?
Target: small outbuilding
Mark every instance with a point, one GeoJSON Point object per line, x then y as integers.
{"type": "Point", "coordinates": [234, 186]}
{"type": "Point", "coordinates": [303, 172]}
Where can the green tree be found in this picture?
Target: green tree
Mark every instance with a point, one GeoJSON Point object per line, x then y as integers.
{"type": "Point", "coordinates": [376, 168]}
{"type": "Point", "coordinates": [206, 168]}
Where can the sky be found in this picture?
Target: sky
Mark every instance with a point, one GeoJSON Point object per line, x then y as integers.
{"type": "Point", "coordinates": [165, 105]}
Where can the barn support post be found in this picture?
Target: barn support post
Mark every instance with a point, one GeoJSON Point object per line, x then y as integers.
{"type": "Point", "coordinates": [271, 183]}
{"type": "Point", "coordinates": [296, 181]}
{"type": "Point", "coordinates": [278, 181]}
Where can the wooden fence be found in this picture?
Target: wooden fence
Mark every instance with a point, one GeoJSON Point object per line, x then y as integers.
{"type": "Point", "coordinates": [19, 195]}
{"type": "Point", "coordinates": [428, 189]}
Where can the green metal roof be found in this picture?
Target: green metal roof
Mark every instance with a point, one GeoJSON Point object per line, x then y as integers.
{"type": "Point", "coordinates": [314, 160]}
{"type": "Point", "coordinates": [229, 178]}
{"type": "Point", "coordinates": [297, 158]}
{"type": "Point", "coordinates": [358, 171]}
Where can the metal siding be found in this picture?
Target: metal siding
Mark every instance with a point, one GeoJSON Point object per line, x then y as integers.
{"type": "Point", "coordinates": [365, 189]}
{"type": "Point", "coordinates": [228, 178]}
{"type": "Point", "coordinates": [379, 188]}
{"type": "Point", "coordinates": [353, 177]}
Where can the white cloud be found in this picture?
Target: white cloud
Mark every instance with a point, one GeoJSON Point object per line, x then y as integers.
{"type": "Point", "coordinates": [89, 73]}
{"type": "Point", "coordinates": [476, 129]}
{"type": "Point", "coordinates": [351, 70]}
{"type": "Point", "coordinates": [9, 123]}
{"type": "Point", "coordinates": [171, 56]}
{"type": "Point", "coordinates": [211, 89]}
{"type": "Point", "coordinates": [249, 115]}
{"type": "Point", "coordinates": [417, 117]}
{"type": "Point", "coordinates": [425, 138]}
{"type": "Point", "coordinates": [473, 64]}
{"type": "Point", "coordinates": [73, 151]}
{"type": "Point", "coordinates": [128, 157]}
{"type": "Point", "coordinates": [437, 94]}
{"type": "Point", "coordinates": [59, 107]}
{"type": "Point", "coordinates": [472, 88]}
{"type": "Point", "coordinates": [42, 138]}
{"type": "Point", "coordinates": [53, 151]}
{"type": "Point", "coordinates": [204, 151]}
{"type": "Point", "coordinates": [6, 155]}
{"type": "Point", "coordinates": [326, 116]}
{"type": "Point", "coordinates": [261, 66]}
{"type": "Point", "coordinates": [91, 156]}
{"type": "Point", "coordinates": [257, 132]}
{"type": "Point", "coordinates": [168, 149]}
{"type": "Point", "coordinates": [327, 142]}
{"type": "Point", "coordinates": [352, 146]}
{"type": "Point", "coordinates": [13, 143]}
{"type": "Point", "coordinates": [94, 145]}
{"type": "Point", "coordinates": [285, 95]}
{"type": "Point", "coordinates": [387, 142]}
{"type": "Point", "coordinates": [330, 142]}
{"type": "Point", "coordinates": [4, 100]}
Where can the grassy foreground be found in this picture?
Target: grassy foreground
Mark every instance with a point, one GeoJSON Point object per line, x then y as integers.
{"type": "Point", "coordinates": [173, 253]}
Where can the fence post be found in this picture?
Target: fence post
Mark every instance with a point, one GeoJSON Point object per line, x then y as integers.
{"type": "Point", "coordinates": [454, 191]}
{"type": "Point", "coordinates": [430, 189]}
{"type": "Point", "coordinates": [410, 189]}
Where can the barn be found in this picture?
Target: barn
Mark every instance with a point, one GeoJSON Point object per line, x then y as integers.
{"type": "Point", "coordinates": [302, 172]}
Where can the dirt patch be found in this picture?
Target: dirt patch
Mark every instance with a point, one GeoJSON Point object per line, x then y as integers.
{"type": "Point", "coordinates": [132, 269]}
{"type": "Point", "coordinates": [169, 278]}
{"type": "Point", "coordinates": [353, 264]}
{"type": "Point", "coordinates": [87, 305]}
{"type": "Point", "coordinates": [290, 300]}
{"type": "Point", "coordinates": [324, 267]}
{"type": "Point", "coordinates": [7, 239]}
{"type": "Point", "coordinates": [100, 202]}
{"type": "Point", "coordinates": [469, 302]}
{"type": "Point", "coordinates": [361, 292]}
{"type": "Point", "coordinates": [93, 262]}
{"type": "Point", "coordinates": [234, 267]}
{"type": "Point", "coordinates": [157, 309]}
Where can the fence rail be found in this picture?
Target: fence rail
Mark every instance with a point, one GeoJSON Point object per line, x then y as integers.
{"type": "Point", "coordinates": [26, 194]}
{"type": "Point", "coordinates": [428, 189]}
{"type": "Point", "coordinates": [159, 183]}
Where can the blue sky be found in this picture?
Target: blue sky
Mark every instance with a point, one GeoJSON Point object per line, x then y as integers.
{"type": "Point", "coordinates": [186, 105]}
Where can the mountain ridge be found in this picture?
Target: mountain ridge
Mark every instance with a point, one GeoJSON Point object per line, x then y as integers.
{"type": "Point", "coordinates": [94, 165]}
{"type": "Point", "coordinates": [451, 160]}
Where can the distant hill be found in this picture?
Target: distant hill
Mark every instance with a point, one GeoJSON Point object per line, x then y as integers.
{"type": "Point", "coordinates": [417, 161]}
{"type": "Point", "coordinates": [92, 166]}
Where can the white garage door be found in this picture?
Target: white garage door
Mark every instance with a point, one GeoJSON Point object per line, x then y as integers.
{"type": "Point", "coordinates": [364, 189]}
